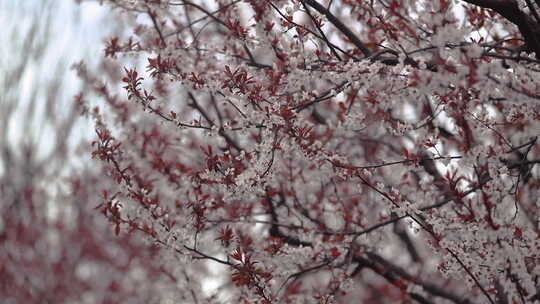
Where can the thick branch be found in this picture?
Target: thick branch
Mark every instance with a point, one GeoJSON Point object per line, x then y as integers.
{"type": "Point", "coordinates": [509, 9]}
{"type": "Point", "coordinates": [393, 273]}
{"type": "Point", "coordinates": [342, 27]}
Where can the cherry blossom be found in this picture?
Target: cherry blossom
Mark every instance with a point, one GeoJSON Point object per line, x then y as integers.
{"type": "Point", "coordinates": [318, 151]}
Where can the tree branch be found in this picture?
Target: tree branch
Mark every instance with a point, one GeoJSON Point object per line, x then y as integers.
{"type": "Point", "coordinates": [342, 27]}
{"type": "Point", "coordinates": [509, 9]}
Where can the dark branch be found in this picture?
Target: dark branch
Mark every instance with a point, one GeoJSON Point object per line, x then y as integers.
{"type": "Point", "coordinates": [528, 27]}
{"type": "Point", "coordinates": [342, 27]}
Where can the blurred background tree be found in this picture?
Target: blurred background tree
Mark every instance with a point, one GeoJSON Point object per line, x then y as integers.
{"type": "Point", "coordinates": [54, 247]}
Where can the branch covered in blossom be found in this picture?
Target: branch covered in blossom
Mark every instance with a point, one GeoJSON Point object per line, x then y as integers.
{"type": "Point", "coordinates": [329, 151]}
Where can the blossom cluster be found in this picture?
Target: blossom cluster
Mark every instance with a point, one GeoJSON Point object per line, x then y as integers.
{"type": "Point", "coordinates": [325, 150]}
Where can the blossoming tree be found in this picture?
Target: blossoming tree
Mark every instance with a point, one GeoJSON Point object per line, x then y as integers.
{"type": "Point", "coordinates": [314, 151]}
